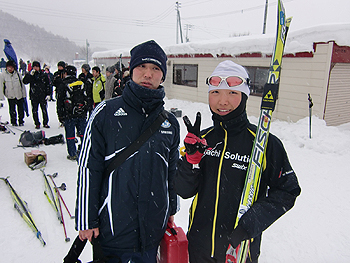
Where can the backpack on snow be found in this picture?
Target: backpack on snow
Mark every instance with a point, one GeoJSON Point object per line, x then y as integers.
{"type": "Point", "coordinates": [75, 101]}
{"type": "Point", "coordinates": [31, 139]}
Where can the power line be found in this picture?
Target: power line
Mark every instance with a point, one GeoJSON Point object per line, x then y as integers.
{"type": "Point", "coordinates": [234, 11]}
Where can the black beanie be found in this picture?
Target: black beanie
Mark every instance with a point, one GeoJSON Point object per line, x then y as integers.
{"type": "Point", "coordinates": [11, 63]}
{"type": "Point", "coordinates": [36, 64]}
{"type": "Point", "coordinates": [70, 70]}
{"type": "Point", "coordinates": [148, 52]}
{"type": "Point", "coordinates": [62, 64]}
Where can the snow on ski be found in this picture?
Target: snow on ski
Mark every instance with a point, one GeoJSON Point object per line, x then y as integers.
{"type": "Point", "coordinates": [252, 182]}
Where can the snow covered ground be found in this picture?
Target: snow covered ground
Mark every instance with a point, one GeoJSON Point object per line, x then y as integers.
{"type": "Point", "coordinates": [315, 230]}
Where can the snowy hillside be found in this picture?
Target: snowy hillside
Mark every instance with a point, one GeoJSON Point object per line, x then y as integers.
{"type": "Point", "coordinates": [315, 230]}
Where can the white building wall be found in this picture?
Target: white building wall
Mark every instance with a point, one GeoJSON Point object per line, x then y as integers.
{"type": "Point", "coordinates": [299, 76]}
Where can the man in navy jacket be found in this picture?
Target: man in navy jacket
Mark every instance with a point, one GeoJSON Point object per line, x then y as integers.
{"type": "Point", "coordinates": [130, 207]}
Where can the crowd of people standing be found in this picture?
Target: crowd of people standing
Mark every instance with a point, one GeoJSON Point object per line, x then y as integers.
{"type": "Point", "coordinates": [45, 86]}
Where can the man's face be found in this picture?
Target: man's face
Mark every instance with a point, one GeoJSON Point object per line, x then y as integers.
{"type": "Point", "coordinates": [95, 73]}
{"type": "Point", "coordinates": [36, 68]}
{"type": "Point", "coordinates": [224, 101]}
{"type": "Point", "coordinates": [83, 70]}
{"type": "Point", "coordinates": [147, 75]}
{"type": "Point", "coordinates": [60, 68]}
{"type": "Point", "coordinates": [10, 69]}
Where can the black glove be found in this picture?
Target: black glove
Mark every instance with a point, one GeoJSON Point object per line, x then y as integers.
{"type": "Point", "coordinates": [194, 144]}
{"type": "Point", "coordinates": [237, 236]}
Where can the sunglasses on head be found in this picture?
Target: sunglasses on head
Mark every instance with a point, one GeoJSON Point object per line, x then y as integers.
{"type": "Point", "coordinates": [231, 81]}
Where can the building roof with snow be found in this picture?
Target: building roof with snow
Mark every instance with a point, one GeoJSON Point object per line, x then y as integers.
{"type": "Point", "coordinates": [297, 41]}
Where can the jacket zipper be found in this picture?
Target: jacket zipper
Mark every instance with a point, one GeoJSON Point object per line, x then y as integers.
{"type": "Point", "coordinates": [217, 192]}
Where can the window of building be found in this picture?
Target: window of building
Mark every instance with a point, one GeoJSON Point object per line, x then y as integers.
{"type": "Point", "coordinates": [185, 74]}
{"type": "Point", "coordinates": [258, 77]}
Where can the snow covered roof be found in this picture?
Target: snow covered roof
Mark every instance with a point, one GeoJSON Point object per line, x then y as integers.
{"type": "Point", "coordinates": [297, 41]}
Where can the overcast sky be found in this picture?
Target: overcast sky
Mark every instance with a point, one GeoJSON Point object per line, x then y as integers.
{"type": "Point", "coordinates": [115, 24]}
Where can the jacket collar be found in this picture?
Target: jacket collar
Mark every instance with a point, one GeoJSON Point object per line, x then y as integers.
{"type": "Point", "coordinates": [232, 125]}
{"type": "Point", "coordinates": [144, 100]}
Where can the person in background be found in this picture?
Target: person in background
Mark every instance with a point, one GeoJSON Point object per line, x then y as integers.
{"type": "Point", "coordinates": [85, 75]}
{"type": "Point", "coordinates": [2, 64]}
{"type": "Point", "coordinates": [118, 75]}
{"type": "Point", "coordinates": [58, 75]}
{"type": "Point", "coordinates": [15, 92]}
{"type": "Point", "coordinates": [39, 93]}
{"type": "Point", "coordinates": [50, 77]}
{"type": "Point", "coordinates": [125, 79]}
{"type": "Point", "coordinates": [73, 104]}
{"type": "Point", "coordinates": [29, 64]}
{"type": "Point", "coordinates": [128, 210]}
{"type": "Point", "coordinates": [110, 79]}
{"type": "Point", "coordinates": [98, 86]}
{"type": "Point", "coordinates": [22, 67]}
{"type": "Point", "coordinates": [214, 170]}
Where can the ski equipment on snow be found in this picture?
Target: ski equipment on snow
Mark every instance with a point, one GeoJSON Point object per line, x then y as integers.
{"type": "Point", "coordinates": [53, 196]}
{"type": "Point", "coordinates": [31, 139]}
{"type": "Point", "coordinates": [252, 182]}
{"type": "Point", "coordinates": [22, 208]}
{"type": "Point", "coordinates": [5, 128]}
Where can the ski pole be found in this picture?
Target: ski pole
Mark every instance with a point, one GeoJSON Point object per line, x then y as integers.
{"type": "Point", "coordinates": [63, 188]}
{"type": "Point", "coordinates": [310, 113]}
{"type": "Point", "coordinates": [21, 207]}
{"type": "Point", "coordinates": [50, 196]}
{"type": "Point", "coordinates": [67, 239]}
{"type": "Point", "coordinates": [56, 201]}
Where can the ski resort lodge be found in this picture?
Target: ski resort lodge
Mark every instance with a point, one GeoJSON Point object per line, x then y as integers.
{"type": "Point", "coordinates": [316, 62]}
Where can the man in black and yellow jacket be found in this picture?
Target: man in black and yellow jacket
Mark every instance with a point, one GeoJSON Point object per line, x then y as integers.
{"type": "Point", "coordinates": [214, 168]}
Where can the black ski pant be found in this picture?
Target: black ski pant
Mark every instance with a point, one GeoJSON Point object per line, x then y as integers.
{"type": "Point", "coordinates": [35, 107]}
{"type": "Point", "coordinates": [20, 110]}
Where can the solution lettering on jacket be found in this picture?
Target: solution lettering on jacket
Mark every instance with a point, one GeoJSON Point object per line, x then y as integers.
{"type": "Point", "coordinates": [230, 156]}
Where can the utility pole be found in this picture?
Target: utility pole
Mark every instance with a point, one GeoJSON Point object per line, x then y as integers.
{"type": "Point", "coordinates": [87, 51]}
{"type": "Point", "coordinates": [178, 25]}
{"type": "Point", "coordinates": [188, 27]}
{"type": "Point", "coordinates": [265, 16]}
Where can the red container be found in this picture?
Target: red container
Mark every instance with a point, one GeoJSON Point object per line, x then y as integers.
{"type": "Point", "coordinates": [174, 246]}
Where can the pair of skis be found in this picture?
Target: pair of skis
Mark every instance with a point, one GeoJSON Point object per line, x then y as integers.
{"type": "Point", "coordinates": [22, 208]}
{"type": "Point", "coordinates": [53, 195]}
{"type": "Point", "coordinates": [252, 182]}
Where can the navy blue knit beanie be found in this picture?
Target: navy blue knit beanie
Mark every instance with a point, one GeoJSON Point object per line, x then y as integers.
{"type": "Point", "coordinates": [148, 52]}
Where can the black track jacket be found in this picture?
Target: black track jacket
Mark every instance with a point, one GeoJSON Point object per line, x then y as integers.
{"type": "Point", "coordinates": [217, 186]}
{"type": "Point", "coordinates": [132, 205]}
